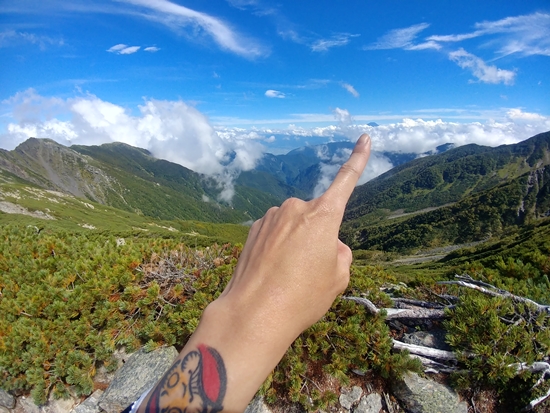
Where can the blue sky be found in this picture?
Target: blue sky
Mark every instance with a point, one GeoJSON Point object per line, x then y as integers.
{"type": "Point", "coordinates": [190, 79]}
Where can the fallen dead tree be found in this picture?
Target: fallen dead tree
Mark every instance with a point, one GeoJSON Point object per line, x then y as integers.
{"type": "Point", "coordinates": [526, 312]}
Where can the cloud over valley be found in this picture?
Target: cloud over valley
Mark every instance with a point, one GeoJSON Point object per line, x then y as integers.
{"type": "Point", "coordinates": [179, 132]}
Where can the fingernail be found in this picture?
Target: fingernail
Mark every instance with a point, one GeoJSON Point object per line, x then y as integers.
{"type": "Point", "coordinates": [364, 139]}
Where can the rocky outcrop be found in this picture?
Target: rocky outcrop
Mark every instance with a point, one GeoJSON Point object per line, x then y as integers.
{"type": "Point", "coordinates": [419, 395]}
{"type": "Point", "coordinates": [137, 375]}
{"type": "Point", "coordinates": [140, 371]}
{"type": "Point", "coordinates": [371, 403]}
{"type": "Point", "coordinates": [6, 400]}
{"type": "Point", "coordinates": [350, 397]}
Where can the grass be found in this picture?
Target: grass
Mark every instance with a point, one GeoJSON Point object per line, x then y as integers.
{"type": "Point", "coordinates": [75, 214]}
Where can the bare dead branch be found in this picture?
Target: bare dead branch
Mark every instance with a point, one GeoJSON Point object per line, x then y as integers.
{"type": "Point", "coordinates": [365, 302]}
{"type": "Point", "coordinates": [415, 303]}
{"type": "Point", "coordinates": [432, 366]}
{"type": "Point", "coordinates": [400, 313]}
{"type": "Point", "coordinates": [536, 401]}
{"type": "Point", "coordinates": [425, 351]}
{"type": "Point", "coordinates": [488, 289]}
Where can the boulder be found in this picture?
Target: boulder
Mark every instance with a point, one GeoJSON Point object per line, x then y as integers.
{"type": "Point", "coordinates": [28, 405]}
{"type": "Point", "coordinates": [419, 395]}
{"type": "Point", "coordinates": [257, 405]}
{"type": "Point", "coordinates": [58, 405]}
{"type": "Point", "coordinates": [6, 400]}
{"type": "Point", "coordinates": [137, 375]}
{"type": "Point", "coordinates": [433, 339]}
{"type": "Point", "coordinates": [371, 403]}
{"type": "Point", "coordinates": [349, 397]}
{"type": "Point", "coordinates": [90, 405]}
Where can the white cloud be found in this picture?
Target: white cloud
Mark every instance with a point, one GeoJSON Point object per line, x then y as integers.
{"type": "Point", "coordinates": [123, 49]}
{"type": "Point", "coordinates": [14, 38]}
{"type": "Point", "coordinates": [243, 4]}
{"type": "Point", "coordinates": [338, 40]}
{"type": "Point", "coordinates": [130, 50]}
{"type": "Point", "coordinates": [517, 115]}
{"type": "Point", "coordinates": [178, 17]}
{"type": "Point", "coordinates": [398, 38]}
{"type": "Point", "coordinates": [151, 49]}
{"type": "Point", "coordinates": [117, 48]}
{"type": "Point", "coordinates": [508, 125]}
{"type": "Point", "coordinates": [274, 94]}
{"type": "Point", "coordinates": [178, 132]}
{"type": "Point", "coordinates": [525, 35]}
{"type": "Point", "coordinates": [342, 116]}
{"type": "Point", "coordinates": [171, 130]}
{"type": "Point", "coordinates": [430, 44]}
{"type": "Point", "coordinates": [350, 89]}
{"type": "Point", "coordinates": [481, 70]}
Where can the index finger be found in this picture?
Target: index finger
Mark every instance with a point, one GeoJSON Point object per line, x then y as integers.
{"type": "Point", "coordinates": [341, 188]}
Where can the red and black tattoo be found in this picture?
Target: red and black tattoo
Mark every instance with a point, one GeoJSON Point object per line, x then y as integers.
{"type": "Point", "coordinates": [195, 384]}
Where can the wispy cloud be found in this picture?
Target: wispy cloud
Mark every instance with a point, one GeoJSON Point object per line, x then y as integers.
{"type": "Point", "coordinates": [525, 35]}
{"type": "Point", "coordinates": [274, 94]}
{"type": "Point", "coordinates": [178, 18]}
{"type": "Point", "coordinates": [350, 89]}
{"type": "Point", "coordinates": [338, 40]}
{"type": "Point", "coordinates": [243, 4]}
{"type": "Point", "coordinates": [398, 38]}
{"type": "Point", "coordinates": [123, 49]}
{"type": "Point", "coordinates": [481, 70]}
{"type": "Point", "coordinates": [152, 49]}
{"type": "Point", "coordinates": [14, 38]}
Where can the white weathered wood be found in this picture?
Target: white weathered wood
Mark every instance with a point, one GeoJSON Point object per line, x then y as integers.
{"type": "Point", "coordinates": [425, 351]}
{"type": "Point", "coordinates": [417, 313]}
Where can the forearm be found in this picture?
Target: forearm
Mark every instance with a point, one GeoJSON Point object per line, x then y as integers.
{"type": "Point", "coordinates": [291, 269]}
{"type": "Point", "coordinates": [222, 365]}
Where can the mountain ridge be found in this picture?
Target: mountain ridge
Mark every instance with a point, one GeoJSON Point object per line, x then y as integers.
{"type": "Point", "coordinates": [473, 193]}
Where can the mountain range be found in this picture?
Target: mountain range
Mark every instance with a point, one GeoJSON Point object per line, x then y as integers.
{"type": "Point", "coordinates": [451, 195]}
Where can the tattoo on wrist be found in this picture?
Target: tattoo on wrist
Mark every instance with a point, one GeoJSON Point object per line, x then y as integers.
{"type": "Point", "coordinates": [194, 384]}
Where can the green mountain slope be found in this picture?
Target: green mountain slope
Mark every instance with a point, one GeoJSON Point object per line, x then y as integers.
{"type": "Point", "coordinates": [131, 179]}
{"type": "Point", "coordinates": [448, 177]}
{"type": "Point", "coordinates": [467, 194]}
{"type": "Point", "coordinates": [182, 189]}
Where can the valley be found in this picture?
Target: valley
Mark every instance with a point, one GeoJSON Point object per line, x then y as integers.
{"type": "Point", "coordinates": [111, 239]}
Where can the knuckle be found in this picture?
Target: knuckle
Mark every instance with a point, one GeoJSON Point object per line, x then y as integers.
{"type": "Point", "coordinates": [350, 169]}
{"type": "Point", "coordinates": [292, 203]}
{"type": "Point", "coordinates": [271, 211]}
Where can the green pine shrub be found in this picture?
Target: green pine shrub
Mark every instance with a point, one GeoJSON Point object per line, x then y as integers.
{"type": "Point", "coordinates": [70, 299]}
{"type": "Point", "coordinates": [322, 359]}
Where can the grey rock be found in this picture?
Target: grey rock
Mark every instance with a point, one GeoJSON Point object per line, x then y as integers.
{"type": "Point", "coordinates": [420, 395]}
{"type": "Point", "coordinates": [371, 403]}
{"type": "Point", "coordinates": [28, 405]}
{"type": "Point", "coordinates": [139, 373]}
{"type": "Point", "coordinates": [58, 405]}
{"type": "Point", "coordinates": [102, 376]}
{"type": "Point", "coordinates": [349, 397]}
{"type": "Point", "coordinates": [434, 339]}
{"type": "Point", "coordinates": [6, 400]}
{"type": "Point", "coordinates": [18, 407]}
{"type": "Point", "coordinates": [257, 405]}
{"type": "Point", "coordinates": [90, 405]}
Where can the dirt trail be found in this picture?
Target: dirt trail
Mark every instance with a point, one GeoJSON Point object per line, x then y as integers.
{"type": "Point", "coordinates": [433, 254]}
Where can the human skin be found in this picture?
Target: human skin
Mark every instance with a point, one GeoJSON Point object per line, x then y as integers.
{"type": "Point", "coordinates": [291, 269]}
